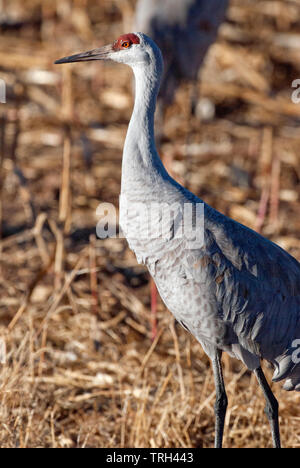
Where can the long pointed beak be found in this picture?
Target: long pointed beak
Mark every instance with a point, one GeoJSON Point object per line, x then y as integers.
{"type": "Point", "coordinates": [96, 54]}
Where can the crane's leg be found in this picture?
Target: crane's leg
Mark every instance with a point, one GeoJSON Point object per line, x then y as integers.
{"type": "Point", "coordinates": [153, 309]}
{"type": "Point", "coordinates": [221, 398]}
{"type": "Point", "coordinates": [271, 409]}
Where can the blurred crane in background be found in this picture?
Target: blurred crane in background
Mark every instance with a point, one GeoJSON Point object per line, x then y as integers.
{"type": "Point", "coordinates": [184, 30]}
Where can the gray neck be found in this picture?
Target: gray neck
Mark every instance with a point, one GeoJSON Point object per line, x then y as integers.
{"type": "Point", "coordinates": [141, 162]}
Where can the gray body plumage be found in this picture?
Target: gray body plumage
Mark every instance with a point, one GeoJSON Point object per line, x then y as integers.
{"type": "Point", "coordinates": [184, 30]}
{"type": "Point", "coordinates": [238, 292]}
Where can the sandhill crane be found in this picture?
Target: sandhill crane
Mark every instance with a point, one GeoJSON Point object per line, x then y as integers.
{"type": "Point", "coordinates": [196, 22]}
{"type": "Point", "coordinates": [235, 291]}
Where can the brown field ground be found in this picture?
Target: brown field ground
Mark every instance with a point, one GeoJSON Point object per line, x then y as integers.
{"type": "Point", "coordinates": [80, 368]}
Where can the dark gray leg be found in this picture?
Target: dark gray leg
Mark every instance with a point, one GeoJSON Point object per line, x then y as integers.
{"type": "Point", "coordinates": [271, 408]}
{"type": "Point", "coordinates": [221, 399]}
{"type": "Point", "coordinates": [194, 98]}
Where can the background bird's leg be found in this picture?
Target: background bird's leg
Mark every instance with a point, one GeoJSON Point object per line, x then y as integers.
{"type": "Point", "coordinates": [194, 98]}
{"type": "Point", "coordinates": [188, 159]}
{"type": "Point", "coordinates": [160, 120]}
{"type": "Point", "coordinates": [221, 398]}
{"type": "Point", "coordinates": [271, 409]}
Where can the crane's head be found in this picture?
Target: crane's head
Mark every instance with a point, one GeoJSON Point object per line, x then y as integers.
{"type": "Point", "coordinates": [131, 49]}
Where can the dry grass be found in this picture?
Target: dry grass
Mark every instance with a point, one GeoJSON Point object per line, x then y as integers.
{"type": "Point", "coordinates": [81, 370]}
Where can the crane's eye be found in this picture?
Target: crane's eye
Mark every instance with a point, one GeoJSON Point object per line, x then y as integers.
{"type": "Point", "coordinates": [125, 41]}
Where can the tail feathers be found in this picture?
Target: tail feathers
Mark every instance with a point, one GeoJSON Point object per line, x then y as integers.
{"type": "Point", "coordinates": [285, 365]}
{"type": "Point", "coordinates": [293, 382]}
